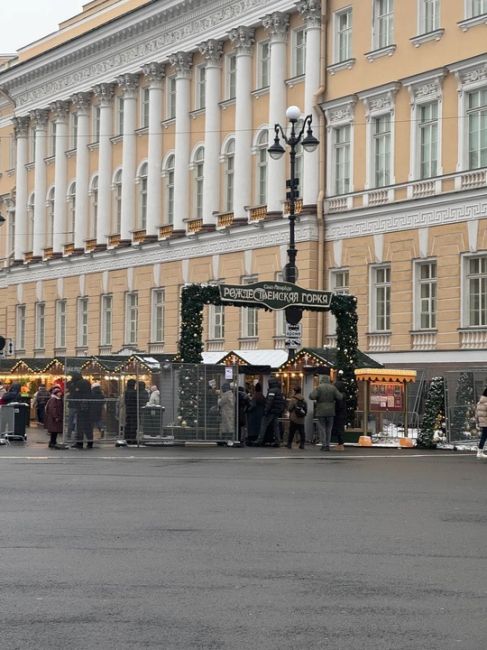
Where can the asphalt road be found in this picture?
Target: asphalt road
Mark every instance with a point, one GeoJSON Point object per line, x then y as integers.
{"type": "Point", "coordinates": [188, 549]}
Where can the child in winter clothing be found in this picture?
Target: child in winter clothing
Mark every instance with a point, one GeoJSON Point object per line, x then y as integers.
{"type": "Point", "coordinates": [53, 416]}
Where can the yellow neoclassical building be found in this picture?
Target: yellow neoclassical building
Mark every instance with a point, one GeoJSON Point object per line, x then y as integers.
{"type": "Point", "coordinates": [133, 160]}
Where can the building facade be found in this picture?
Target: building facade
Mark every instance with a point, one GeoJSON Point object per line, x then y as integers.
{"type": "Point", "coordinates": [134, 160]}
{"type": "Point", "coordinates": [406, 196]}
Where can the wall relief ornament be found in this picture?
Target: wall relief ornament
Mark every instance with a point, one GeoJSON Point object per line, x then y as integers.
{"type": "Point", "coordinates": [60, 110]}
{"type": "Point", "coordinates": [311, 12]}
{"type": "Point", "coordinates": [182, 61]}
{"type": "Point", "coordinates": [243, 39]}
{"type": "Point", "coordinates": [212, 50]}
{"type": "Point", "coordinates": [21, 126]}
{"type": "Point", "coordinates": [104, 93]}
{"type": "Point", "coordinates": [155, 71]}
{"type": "Point", "coordinates": [277, 24]}
{"type": "Point", "coordinates": [81, 102]}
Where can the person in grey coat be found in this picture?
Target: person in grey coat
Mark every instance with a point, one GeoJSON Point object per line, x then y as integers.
{"type": "Point", "coordinates": [226, 404]}
{"type": "Point", "coordinates": [325, 397]}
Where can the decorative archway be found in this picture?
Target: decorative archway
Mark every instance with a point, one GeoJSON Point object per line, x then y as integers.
{"type": "Point", "coordinates": [344, 307]}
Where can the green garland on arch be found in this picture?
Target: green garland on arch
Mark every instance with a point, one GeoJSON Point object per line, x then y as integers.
{"type": "Point", "coordinates": [344, 308]}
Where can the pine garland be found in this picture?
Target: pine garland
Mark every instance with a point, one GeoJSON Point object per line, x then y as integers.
{"type": "Point", "coordinates": [344, 308]}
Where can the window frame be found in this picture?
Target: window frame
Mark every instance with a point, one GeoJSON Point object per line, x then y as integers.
{"type": "Point", "coordinates": [142, 198]}
{"type": "Point", "coordinates": [263, 64]}
{"type": "Point", "coordinates": [82, 322]}
{"type": "Point", "coordinates": [261, 167]}
{"type": "Point", "coordinates": [119, 113]}
{"type": "Point", "coordinates": [341, 146]}
{"type": "Point", "coordinates": [423, 16]}
{"type": "Point", "coordinates": [378, 40]}
{"type": "Point", "coordinates": [337, 57]}
{"type": "Point", "coordinates": [131, 324]}
{"type": "Point", "coordinates": [96, 115]}
{"type": "Point", "coordinates": [40, 325]}
{"type": "Point", "coordinates": [117, 202]}
{"type": "Point", "coordinates": [106, 319]}
{"type": "Point", "coordinates": [200, 87]}
{"type": "Point", "coordinates": [20, 325]}
{"type": "Point", "coordinates": [168, 174]}
{"type": "Point", "coordinates": [157, 322]}
{"type": "Point", "coordinates": [144, 107]}
{"type": "Point", "coordinates": [298, 52]}
{"type": "Point", "coordinates": [469, 8]}
{"type": "Point", "coordinates": [432, 299]}
{"type": "Point", "coordinates": [231, 76]}
{"type": "Point", "coordinates": [342, 289]}
{"type": "Point", "coordinates": [71, 217]}
{"type": "Point", "coordinates": [93, 193]}
{"type": "Point", "coordinates": [249, 316]}
{"type": "Point", "coordinates": [481, 112]}
{"type": "Point", "coordinates": [467, 276]}
{"type": "Point", "coordinates": [61, 327]}
{"type": "Point", "coordinates": [229, 175]}
{"type": "Point", "coordinates": [375, 286]}
{"type": "Point", "coordinates": [376, 138]}
{"type": "Point", "coordinates": [198, 169]}
{"type": "Point", "coordinates": [171, 97]}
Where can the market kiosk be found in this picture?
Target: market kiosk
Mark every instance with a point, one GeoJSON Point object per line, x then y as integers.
{"type": "Point", "coordinates": [384, 402]}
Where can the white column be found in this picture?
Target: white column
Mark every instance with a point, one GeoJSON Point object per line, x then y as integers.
{"type": "Point", "coordinates": [243, 39]}
{"type": "Point", "coordinates": [82, 103]}
{"type": "Point", "coordinates": [129, 83]}
{"type": "Point", "coordinates": [104, 95]}
{"type": "Point", "coordinates": [311, 11]}
{"type": "Point", "coordinates": [21, 126]}
{"type": "Point", "coordinates": [155, 74]}
{"type": "Point", "coordinates": [212, 51]}
{"type": "Point", "coordinates": [40, 117]}
{"type": "Point", "coordinates": [182, 62]}
{"type": "Point", "coordinates": [60, 109]}
{"type": "Point", "coordinates": [277, 25]}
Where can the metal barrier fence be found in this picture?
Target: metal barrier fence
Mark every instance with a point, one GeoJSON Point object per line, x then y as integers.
{"type": "Point", "coordinates": [462, 392]}
{"type": "Point", "coordinates": [144, 401]}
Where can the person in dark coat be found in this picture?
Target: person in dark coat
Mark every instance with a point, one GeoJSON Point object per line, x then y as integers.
{"type": "Point", "coordinates": [340, 418]}
{"type": "Point", "coordinates": [296, 418]}
{"type": "Point", "coordinates": [255, 413]}
{"type": "Point", "coordinates": [97, 404]}
{"type": "Point", "coordinates": [53, 415]}
{"type": "Point", "coordinates": [130, 401]}
{"type": "Point", "coordinates": [275, 405]}
{"type": "Point", "coordinates": [41, 398]}
{"type": "Point", "coordinates": [243, 406]}
{"type": "Point", "coordinates": [13, 394]}
{"type": "Point", "coordinates": [80, 401]}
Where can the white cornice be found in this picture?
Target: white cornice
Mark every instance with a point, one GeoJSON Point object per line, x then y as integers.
{"type": "Point", "coordinates": [127, 43]}
{"type": "Point", "coordinates": [438, 211]}
{"type": "Point", "coordinates": [248, 237]}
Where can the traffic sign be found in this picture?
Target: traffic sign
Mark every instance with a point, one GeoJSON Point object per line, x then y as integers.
{"type": "Point", "coordinates": [292, 344]}
{"type": "Point", "coordinates": [294, 331]}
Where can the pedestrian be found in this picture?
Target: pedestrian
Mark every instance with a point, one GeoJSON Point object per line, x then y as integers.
{"type": "Point", "coordinates": [340, 419]}
{"type": "Point", "coordinates": [12, 394]}
{"type": "Point", "coordinates": [155, 396]}
{"type": "Point", "coordinates": [297, 414]}
{"type": "Point", "coordinates": [226, 405]}
{"type": "Point", "coordinates": [255, 413]}
{"type": "Point", "coordinates": [481, 415]}
{"type": "Point", "coordinates": [142, 394]}
{"type": "Point", "coordinates": [97, 407]}
{"type": "Point", "coordinates": [80, 402]}
{"type": "Point", "coordinates": [275, 405]}
{"type": "Point", "coordinates": [53, 416]}
{"type": "Point", "coordinates": [130, 404]}
{"type": "Point", "coordinates": [41, 397]}
{"type": "Point", "coordinates": [243, 406]}
{"type": "Point", "coordinates": [325, 395]}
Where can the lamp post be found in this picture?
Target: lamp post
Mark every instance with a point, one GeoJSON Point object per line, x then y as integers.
{"type": "Point", "coordinates": [309, 143]}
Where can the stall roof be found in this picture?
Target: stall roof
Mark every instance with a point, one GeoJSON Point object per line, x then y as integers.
{"type": "Point", "coordinates": [385, 374]}
{"type": "Point", "coordinates": [327, 357]}
{"type": "Point", "coordinates": [270, 358]}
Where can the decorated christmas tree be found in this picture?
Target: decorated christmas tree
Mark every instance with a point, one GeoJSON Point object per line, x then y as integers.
{"type": "Point", "coordinates": [434, 414]}
{"type": "Point", "coordinates": [344, 308]}
{"type": "Point", "coordinates": [463, 416]}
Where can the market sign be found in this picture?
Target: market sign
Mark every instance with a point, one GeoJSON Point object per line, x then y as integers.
{"type": "Point", "coordinates": [274, 295]}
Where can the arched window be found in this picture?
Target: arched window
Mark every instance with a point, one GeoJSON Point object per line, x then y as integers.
{"type": "Point", "coordinates": [30, 222]}
{"type": "Point", "coordinates": [198, 178]}
{"type": "Point", "coordinates": [50, 217]}
{"type": "Point", "coordinates": [169, 188]}
{"type": "Point", "coordinates": [94, 208]}
{"type": "Point", "coordinates": [261, 171]}
{"type": "Point", "coordinates": [229, 172]}
{"type": "Point", "coordinates": [117, 202]}
{"type": "Point", "coordinates": [69, 238]}
{"type": "Point", "coordinates": [142, 179]}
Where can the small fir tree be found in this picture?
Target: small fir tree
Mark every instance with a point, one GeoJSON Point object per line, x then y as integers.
{"type": "Point", "coordinates": [434, 413]}
{"type": "Point", "coordinates": [463, 417]}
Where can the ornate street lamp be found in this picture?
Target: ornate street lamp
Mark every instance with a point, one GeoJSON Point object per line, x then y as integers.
{"type": "Point", "coordinates": [276, 151]}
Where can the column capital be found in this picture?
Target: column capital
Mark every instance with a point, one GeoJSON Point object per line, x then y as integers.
{"type": "Point", "coordinates": [40, 117]}
{"type": "Point", "coordinates": [81, 102]}
{"type": "Point", "coordinates": [155, 71]}
{"type": "Point", "coordinates": [60, 110]}
{"type": "Point", "coordinates": [277, 24]}
{"type": "Point", "coordinates": [212, 51]}
{"type": "Point", "coordinates": [182, 61]}
{"type": "Point", "coordinates": [243, 38]}
{"type": "Point", "coordinates": [21, 126]}
{"type": "Point", "coordinates": [129, 83]}
{"type": "Point", "coordinates": [311, 12]}
{"type": "Point", "coordinates": [104, 93]}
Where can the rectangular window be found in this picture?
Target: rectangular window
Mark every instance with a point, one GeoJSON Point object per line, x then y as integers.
{"type": "Point", "coordinates": [343, 35]}
{"type": "Point", "coordinates": [341, 153]}
{"type": "Point", "coordinates": [106, 320]}
{"type": "Point", "coordinates": [381, 298]}
{"type": "Point", "coordinates": [20, 327]}
{"type": "Point", "coordinates": [32, 141]}
{"type": "Point", "coordinates": [60, 323]}
{"type": "Point", "coordinates": [157, 321]}
{"type": "Point", "coordinates": [249, 320]}
{"type": "Point", "coordinates": [425, 295]}
{"type": "Point", "coordinates": [476, 285]}
{"type": "Point", "coordinates": [82, 330]}
{"type": "Point", "coordinates": [216, 322]}
{"type": "Point", "coordinates": [200, 87]}
{"type": "Point", "coordinates": [119, 103]}
{"type": "Point", "coordinates": [96, 123]}
{"type": "Point", "coordinates": [299, 52]}
{"type": "Point", "coordinates": [264, 60]}
{"type": "Point", "coordinates": [476, 8]}
{"type": "Point", "coordinates": [52, 139]}
{"type": "Point", "coordinates": [340, 284]}
{"type": "Point", "coordinates": [40, 322]}
{"type": "Point", "coordinates": [428, 139]}
{"type": "Point", "coordinates": [131, 317]}
{"type": "Point", "coordinates": [231, 76]}
{"type": "Point", "coordinates": [382, 150]}
{"type": "Point", "coordinates": [429, 16]}
{"type": "Point", "coordinates": [383, 23]}
{"type": "Point", "coordinates": [477, 128]}
{"type": "Point", "coordinates": [144, 108]}
{"type": "Point", "coordinates": [171, 98]}
{"type": "Point", "coordinates": [73, 130]}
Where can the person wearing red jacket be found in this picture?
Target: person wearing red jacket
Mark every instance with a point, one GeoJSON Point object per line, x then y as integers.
{"type": "Point", "coordinates": [53, 416]}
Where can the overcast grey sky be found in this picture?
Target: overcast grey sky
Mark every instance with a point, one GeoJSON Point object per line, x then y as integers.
{"type": "Point", "coordinates": [24, 21]}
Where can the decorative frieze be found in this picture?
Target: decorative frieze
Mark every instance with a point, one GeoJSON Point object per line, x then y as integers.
{"type": "Point", "coordinates": [425, 87]}
{"type": "Point", "coordinates": [212, 50]}
{"type": "Point", "coordinates": [311, 12]}
{"type": "Point", "coordinates": [379, 100]}
{"type": "Point", "coordinates": [243, 39]}
{"type": "Point", "coordinates": [338, 112]}
{"type": "Point", "coordinates": [471, 73]}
